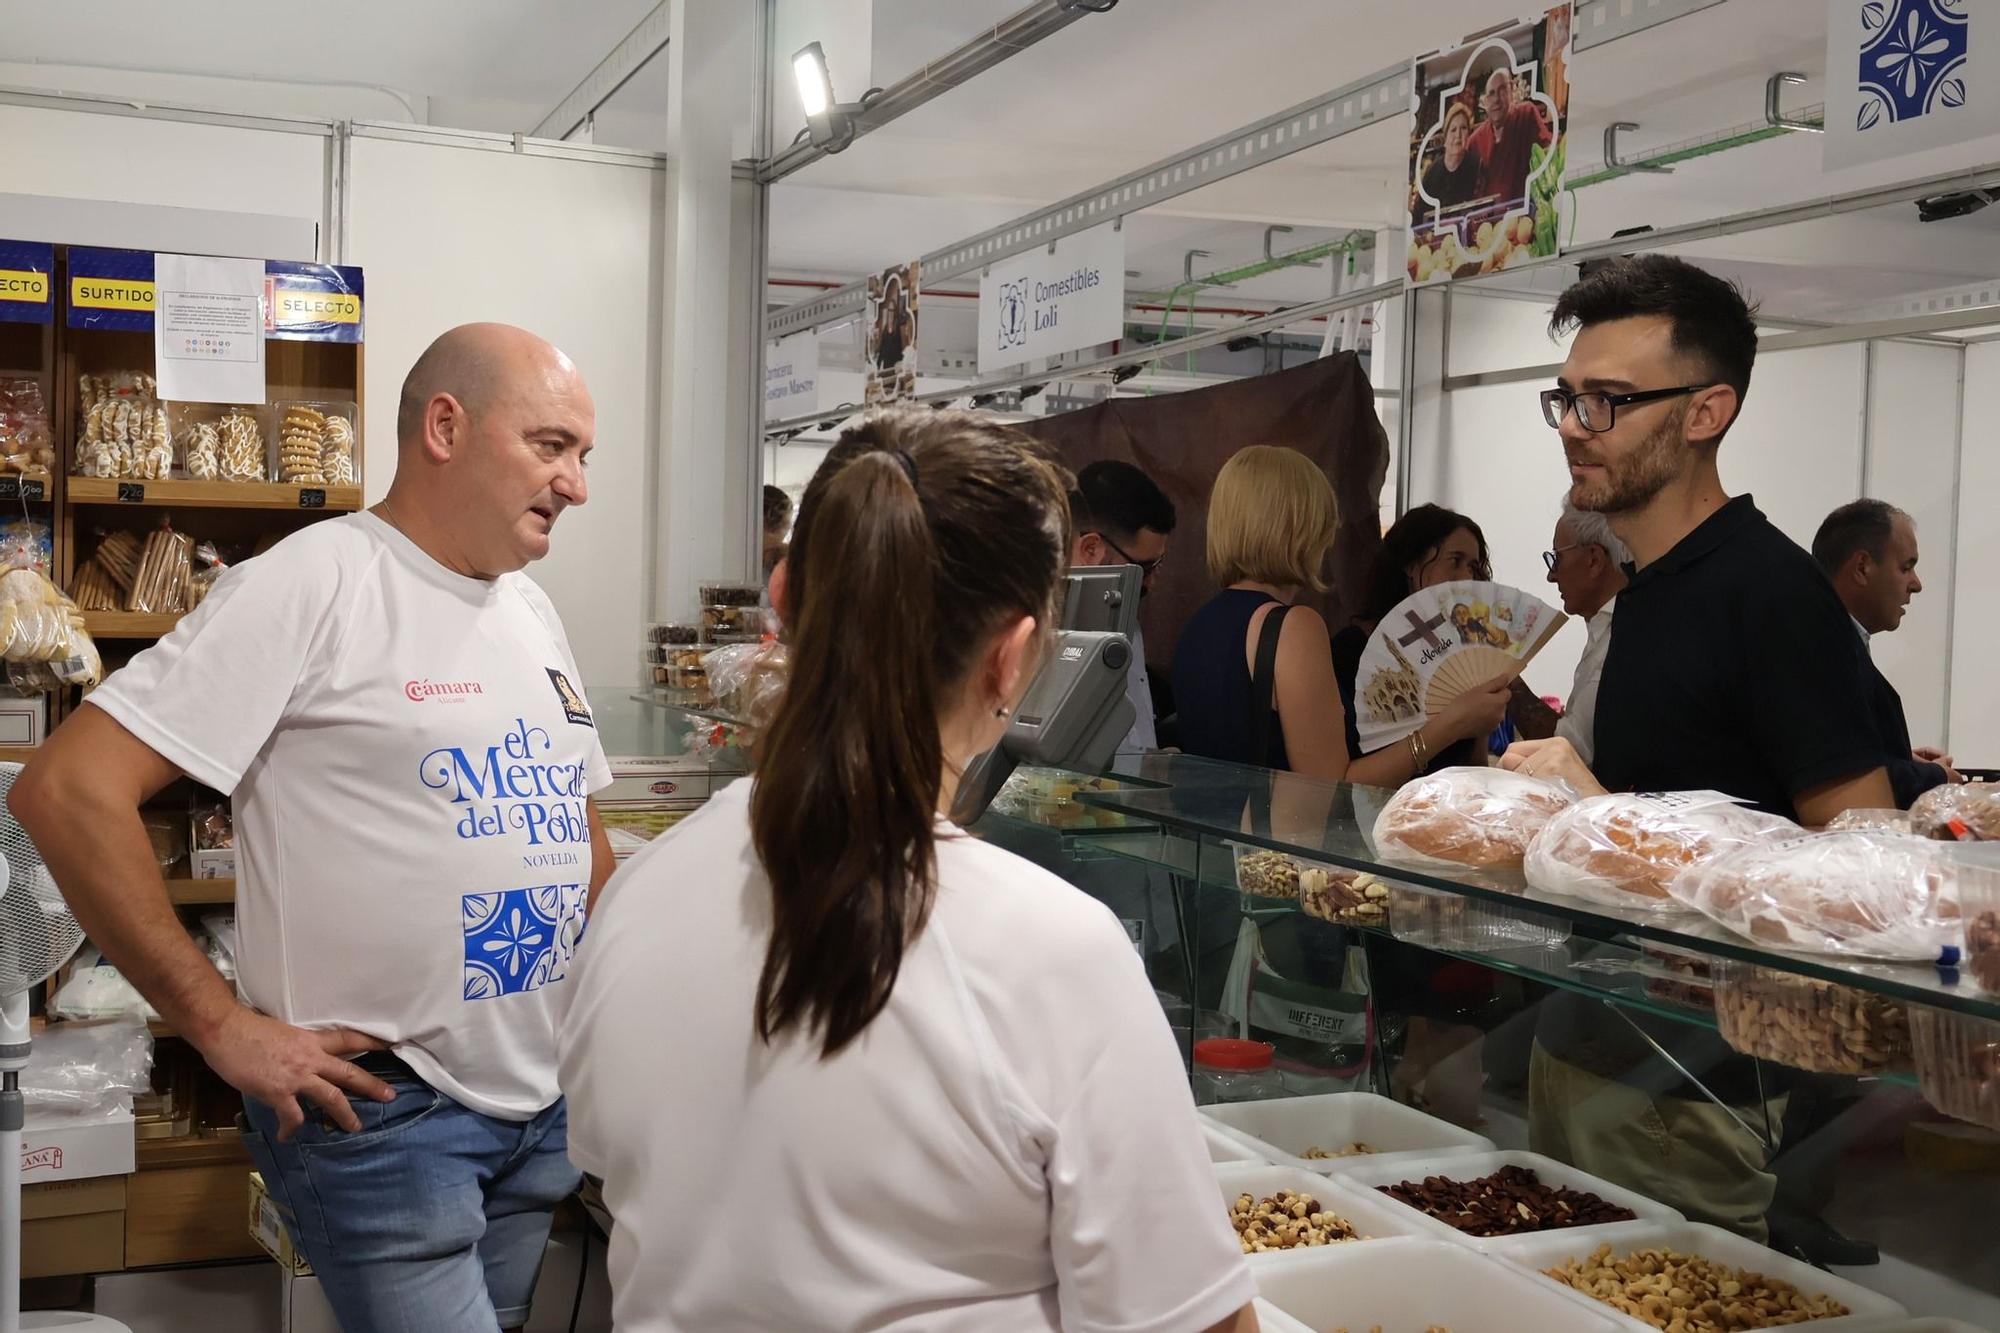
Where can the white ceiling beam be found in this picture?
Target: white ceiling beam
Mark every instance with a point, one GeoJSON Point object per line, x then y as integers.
{"type": "Point", "coordinates": [1005, 39]}
{"type": "Point", "coordinates": [646, 40]}
{"type": "Point", "coordinates": [1383, 94]}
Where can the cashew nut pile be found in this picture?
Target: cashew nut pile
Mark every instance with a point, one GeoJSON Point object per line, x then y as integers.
{"type": "Point", "coordinates": [1689, 1294]}
{"type": "Point", "coordinates": [1286, 1221]}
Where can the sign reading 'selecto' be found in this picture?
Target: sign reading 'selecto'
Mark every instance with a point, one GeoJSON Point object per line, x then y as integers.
{"type": "Point", "coordinates": [1043, 304]}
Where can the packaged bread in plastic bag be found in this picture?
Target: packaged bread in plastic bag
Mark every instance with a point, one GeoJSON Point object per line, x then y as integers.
{"type": "Point", "coordinates": [1958, 812]}
{"type": "Point", "coordinates": [1857, 893]}
{"type": "Point", "coordinates": [1624, 850]}
{"type": "Point", "coordinates": [1478, 817]}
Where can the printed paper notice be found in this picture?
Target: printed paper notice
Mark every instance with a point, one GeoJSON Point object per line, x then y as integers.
{"type": "Point", "coordinates": [208, 329]}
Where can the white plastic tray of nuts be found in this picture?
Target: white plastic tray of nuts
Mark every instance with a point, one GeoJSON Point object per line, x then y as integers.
{"type": "Point", "coordinates": [1374, 1219]}
{"type": "Point", "coordinates": [1365, 1180]}
{"type": "Point", "coordinates": [1285, 1129]}
{"type": "Point", "coordinates": [1410, 1284]}
{"type": "Point", "coordinates": [1866, 1309]}
{"type": "Point", "coordinates": [1226, 1147]}
{"type": "Point", "coordinates": [1914, 1326]}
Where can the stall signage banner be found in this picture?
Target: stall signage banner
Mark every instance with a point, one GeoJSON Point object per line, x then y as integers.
{"type": "Point", "coordinates": [111, 289]}
{"type": "Point", "coordinates": [1906, 76]}
{"type": "Point", "coordinates": [791, 376]}
{"type": "Point", "coordinates": [312, 302]}
{"type": "Point", "coordinates": [1489, 127]}
{"type": "Point", "coordinates": [1043, 304]}
{"type": "Point", "coordinates": [26, 285]}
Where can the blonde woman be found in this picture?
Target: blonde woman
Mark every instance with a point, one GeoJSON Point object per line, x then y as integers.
{"type": "Point", "coordinates": [1253, 674]}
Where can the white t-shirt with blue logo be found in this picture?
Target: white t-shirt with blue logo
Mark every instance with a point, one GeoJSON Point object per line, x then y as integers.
{"type": "Point", "coordinates": [409, 753]}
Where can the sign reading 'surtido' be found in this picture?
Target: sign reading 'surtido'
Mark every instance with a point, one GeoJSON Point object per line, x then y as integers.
{"type": "Point", "coordinates": [1045, 303]}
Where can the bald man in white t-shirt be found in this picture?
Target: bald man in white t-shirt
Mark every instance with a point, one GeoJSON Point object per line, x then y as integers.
{"type": "Point", "coordinates": [393, 707]}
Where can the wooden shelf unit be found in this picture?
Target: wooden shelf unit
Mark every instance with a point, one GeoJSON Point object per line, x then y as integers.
{"type": "Point", "coordinates": [181, 493]}
{"type": "Point", "coordinates": [186, 1200]}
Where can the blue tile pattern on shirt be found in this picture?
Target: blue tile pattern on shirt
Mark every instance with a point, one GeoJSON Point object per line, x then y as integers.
{"type": "Point", "coordinates": [520, 940]}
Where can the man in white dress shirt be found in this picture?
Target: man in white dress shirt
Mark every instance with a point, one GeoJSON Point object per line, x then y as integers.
{"type": "Point", "coordinates": [1122, 517]}
{"type": "Point", "coordinates": [1588, 568]}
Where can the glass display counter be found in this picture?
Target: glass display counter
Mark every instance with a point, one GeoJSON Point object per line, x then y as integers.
{"type": "Point", "coordinates": [1843, 1113]}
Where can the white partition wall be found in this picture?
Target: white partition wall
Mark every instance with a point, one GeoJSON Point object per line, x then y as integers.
{"type": "Point", "coordinates": [1913, 445]}
{"type": "Point", "coordinates": [569, 249]}
{"type": "Point", "coordinates": [1975, 644]}
{"type": "Point", "coordinates": [92, 157]}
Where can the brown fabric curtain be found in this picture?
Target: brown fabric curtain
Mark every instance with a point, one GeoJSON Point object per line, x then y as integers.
{"type": "Point", "coordinates": [1325, 409]}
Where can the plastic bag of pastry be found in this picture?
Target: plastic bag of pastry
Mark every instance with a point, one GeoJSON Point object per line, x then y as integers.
{"type": "Point", "coordinates": [26, 442]}
{"type": "Point", "coordinates": [1968, 812]}
{"type": "Point", "coordinates": [1624, 850]}
{"type": "Point", "coordinates": [1886, 821]}
{"type": "Point", "coordinates": [1469, 816]}
{"type": "Point", "coordinates": [207, 568]}
{"type": "Point", "coordinates": [166, 566]}
{"type": "Point", "coordinates": [1856, 893]}
{"type": "Point", "coordinates": [26, 543]}
{"type": "Point", "coordinates": [747, 678]}
{"type": "Point", "coordinates": [33, 624]}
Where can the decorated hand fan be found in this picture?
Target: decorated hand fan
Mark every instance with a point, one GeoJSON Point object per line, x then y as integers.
{"type": "Point", "coordinates": [1438, 644]}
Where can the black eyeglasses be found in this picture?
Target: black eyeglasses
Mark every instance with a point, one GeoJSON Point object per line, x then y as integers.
{"type": "Point", "coordinates": [1554, 558]}
{"type": "Point", "coordinates": [1599, 411]}
{"type": "Point", "coordinates": [1146, 567]}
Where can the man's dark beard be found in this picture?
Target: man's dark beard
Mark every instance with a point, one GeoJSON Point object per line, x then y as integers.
{"type": "Point", "coordinates": [1631, 482]}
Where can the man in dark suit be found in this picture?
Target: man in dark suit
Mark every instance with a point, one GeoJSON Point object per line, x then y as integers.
{"type": "Point", "coordinates": [1869, 550]}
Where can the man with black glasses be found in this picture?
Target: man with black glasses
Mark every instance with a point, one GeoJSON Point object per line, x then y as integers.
{"type": "Point", "coordinates": [1734, 668]}
{"type": "Point", "coordinates": [1122, 518]}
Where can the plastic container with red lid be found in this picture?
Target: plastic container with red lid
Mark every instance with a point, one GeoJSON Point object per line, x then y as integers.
{"type": "Point", "coordinates": [1230, 1069]}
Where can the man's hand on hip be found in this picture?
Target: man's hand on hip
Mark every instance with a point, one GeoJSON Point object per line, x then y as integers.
{"type": "Point", "coordinates": [278, 1064]}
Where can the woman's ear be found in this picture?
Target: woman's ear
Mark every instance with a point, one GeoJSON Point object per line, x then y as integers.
{"type": "Point", "coordinates": [1012, 660]}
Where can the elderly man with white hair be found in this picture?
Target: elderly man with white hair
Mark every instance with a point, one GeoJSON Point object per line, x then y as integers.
{"type": "Point", "coordinates": [1588, 568]}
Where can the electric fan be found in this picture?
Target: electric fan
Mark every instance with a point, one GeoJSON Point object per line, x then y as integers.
{"type": "Point", "coordinates": [1439, 643]}
{"type": "Point", "coordinates": [37, 936]}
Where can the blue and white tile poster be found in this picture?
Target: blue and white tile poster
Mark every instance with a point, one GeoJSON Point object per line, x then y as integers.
{"type": "Point", "coordinates": [1908, 76]}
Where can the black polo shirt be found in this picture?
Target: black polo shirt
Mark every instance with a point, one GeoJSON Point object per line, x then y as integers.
{"type": "Point", "coordinates": [1734, 666]}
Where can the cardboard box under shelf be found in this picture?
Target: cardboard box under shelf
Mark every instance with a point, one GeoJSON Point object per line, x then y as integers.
{"type": "Point", "coordinates": [73, 1226]}
{"type": "Point", "coordinates": [187, 1215]}
{"type": "Point", "coordinates": [63, 1149]}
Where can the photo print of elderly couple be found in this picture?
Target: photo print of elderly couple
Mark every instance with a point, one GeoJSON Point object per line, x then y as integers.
{"type": "Point", "coordinates": [1489, 125]}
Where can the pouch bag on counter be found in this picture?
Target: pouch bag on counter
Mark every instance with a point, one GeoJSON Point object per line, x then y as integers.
{"type": "Point", "coordinates": [1855, 893]}
{"type": "Point", "coordinates": [1625, 850]}
{"type": "Point", "coordinates": [1479, 817]}
{"type": "Point", "coordinates": [1321, 1035]}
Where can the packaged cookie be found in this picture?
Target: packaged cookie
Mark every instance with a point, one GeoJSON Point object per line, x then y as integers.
{"type": "Point", "coordinates": [240, 431]}
{"type": "Point", "coordinates": [123, 431]}
{"type": "Point", "coordinates": [27, 444]}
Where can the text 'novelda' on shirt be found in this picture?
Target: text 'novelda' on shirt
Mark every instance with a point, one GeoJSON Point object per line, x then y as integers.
{"type": "Point", "coordinates": [523, 795]}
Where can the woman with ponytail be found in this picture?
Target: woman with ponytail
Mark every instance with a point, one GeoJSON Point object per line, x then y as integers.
{"type": "Point", "coordinates": [840, 1065]}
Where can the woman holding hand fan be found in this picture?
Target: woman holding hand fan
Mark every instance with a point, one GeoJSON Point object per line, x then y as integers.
{"type": "Point", "coordinates": [1427, 546]}
{"type": "Point", "coordinates": [1257, 678]}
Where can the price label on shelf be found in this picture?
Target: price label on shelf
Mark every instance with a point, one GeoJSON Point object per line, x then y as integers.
{"type": "Point", "coordinates": [131, 493]}
{"type": "Point", "coordinates": [311, 497]}
{"type": "Point", "coordinates": [23, 488]}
